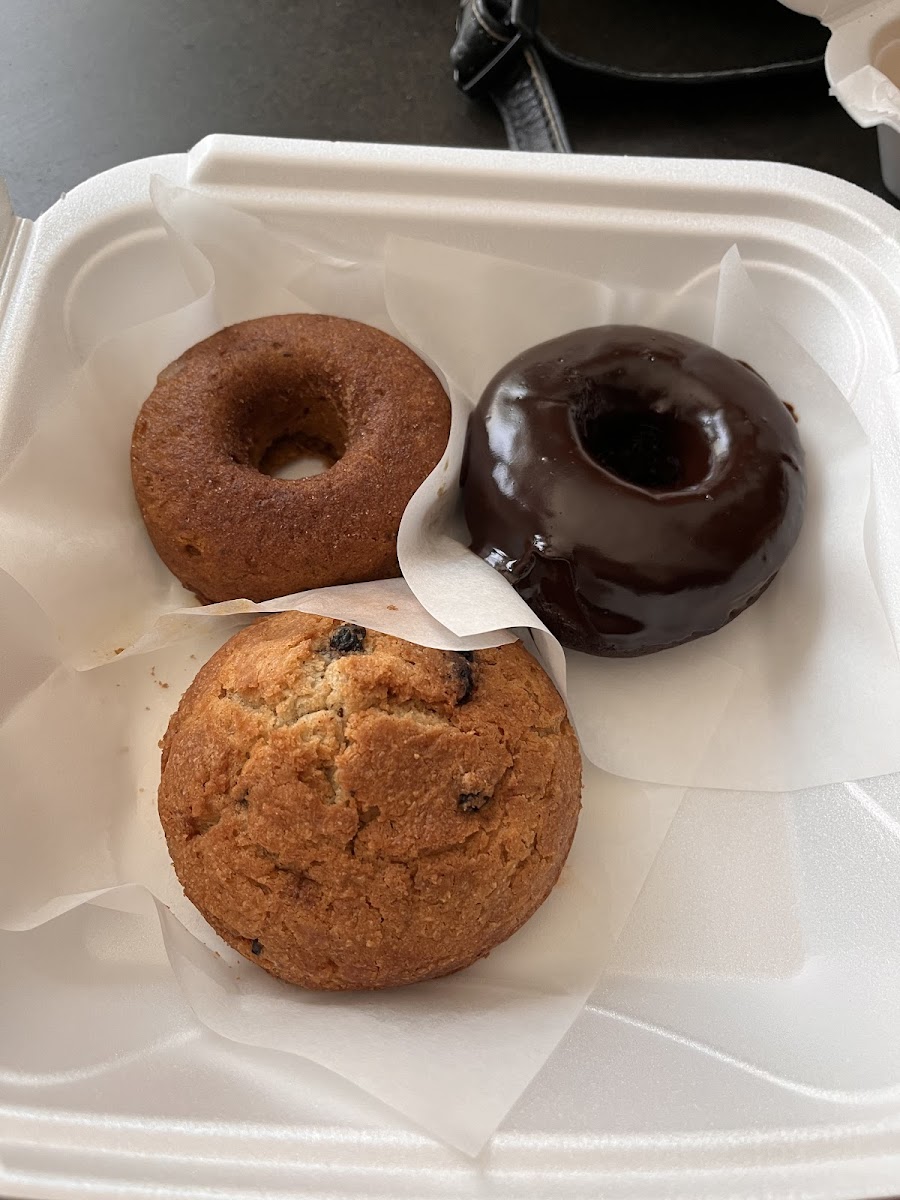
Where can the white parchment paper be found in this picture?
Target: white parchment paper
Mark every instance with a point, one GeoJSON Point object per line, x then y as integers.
{"type": "Point", "coordinates": [800, 690]}
{"type": "Point", "coordinates": [79, 768]}
{"type": "Point", "coordinates": [803, 689]}
{"type": "Point", "coordinates": [97, 643]}
{"type": "Point", "coordinates": [772, 702]}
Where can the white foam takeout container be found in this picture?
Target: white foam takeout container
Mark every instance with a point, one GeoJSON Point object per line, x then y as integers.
{"type": "Point", "coordinates": [862, 62]}
{"type": "Point", "coordinates": [625, 1107]}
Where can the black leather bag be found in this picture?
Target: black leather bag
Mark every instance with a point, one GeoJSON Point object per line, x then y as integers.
{"type": "Point", "coordinates": [501, 53]}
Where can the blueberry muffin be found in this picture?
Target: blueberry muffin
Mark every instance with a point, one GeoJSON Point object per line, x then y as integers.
{"type": "Point", "coordinates": [349, 810]}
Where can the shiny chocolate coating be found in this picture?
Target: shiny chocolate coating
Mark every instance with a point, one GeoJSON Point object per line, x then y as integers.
{"type": "Point", "coordinates": [638, 488]}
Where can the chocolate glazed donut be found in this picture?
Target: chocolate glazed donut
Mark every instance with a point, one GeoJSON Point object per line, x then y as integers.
{"type": "Point", "coordinates": [638, 488]}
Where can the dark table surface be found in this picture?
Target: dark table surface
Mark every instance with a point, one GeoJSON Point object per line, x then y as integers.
{"type": "Point", "coordinates": [86, 85]}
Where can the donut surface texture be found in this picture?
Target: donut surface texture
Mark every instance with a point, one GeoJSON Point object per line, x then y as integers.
{"type": "Point", "coordinates": [638, 488]}
{"type": "Point", "coordinates": [352, 811]}
{"type": "Point", "coordinates": [255, 395]}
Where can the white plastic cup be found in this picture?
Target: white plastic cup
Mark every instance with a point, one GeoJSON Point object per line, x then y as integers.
{"type": "Point", "coordinates": [887, 61]}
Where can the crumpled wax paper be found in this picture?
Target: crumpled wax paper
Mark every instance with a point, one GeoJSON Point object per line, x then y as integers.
{"type": "Point", "coordinates": [98, 642]}
{"type": "Point", "coordinates": [79, 768]}
{"type": "Point", "coordinates": [804, 687]}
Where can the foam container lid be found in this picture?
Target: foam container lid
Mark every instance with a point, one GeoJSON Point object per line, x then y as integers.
{"type": "Point", "coordinates": [742, 1043]}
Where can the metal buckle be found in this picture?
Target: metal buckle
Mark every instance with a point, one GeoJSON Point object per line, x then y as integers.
{"type": "Point", "coordinates": [522, 24]}
{"type": "Point", "coordinates": [523, 17]}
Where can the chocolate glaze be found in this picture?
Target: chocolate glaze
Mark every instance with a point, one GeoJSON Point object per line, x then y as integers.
{"type": "Point", "coordinates": [637, 488]}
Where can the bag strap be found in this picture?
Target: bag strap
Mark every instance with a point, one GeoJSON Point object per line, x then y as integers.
{"type": "Point", "coordinates": [500, 52]}
{"type": "Point", "coordinates": [496, 53]}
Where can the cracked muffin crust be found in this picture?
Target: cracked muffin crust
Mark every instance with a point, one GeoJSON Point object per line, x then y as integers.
{"type": "Point", "coordinates": [349, 810]}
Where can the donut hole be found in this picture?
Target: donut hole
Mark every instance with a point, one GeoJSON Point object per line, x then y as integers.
{"type": "Point", "coordinates": [292, 432]}
{"type": "Point", "coordinates": [293, 457]}
{"type": "Point", "coordinates": [652, 449]}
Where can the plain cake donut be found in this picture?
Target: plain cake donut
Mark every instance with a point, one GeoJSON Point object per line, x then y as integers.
{"type": "Point", "coordinates": [254, 395]}
{"type": "Point", "coordinates": [638, 488]}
